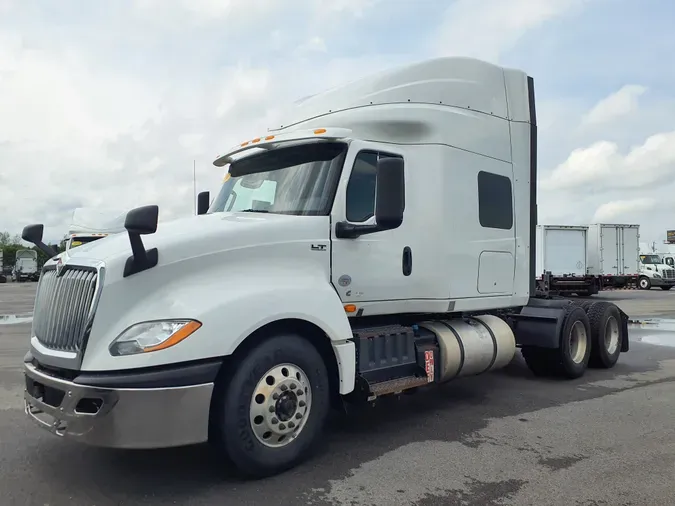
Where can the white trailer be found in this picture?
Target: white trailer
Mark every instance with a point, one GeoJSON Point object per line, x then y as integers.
{"type": "Point", "coordinates": [92, 224]}
{"type": "Point", "coordinates": [382, 240]}
{"type": "Point", "coordinates": [561, 260]}
{"type": "Point", "coordinates": [613, 254]}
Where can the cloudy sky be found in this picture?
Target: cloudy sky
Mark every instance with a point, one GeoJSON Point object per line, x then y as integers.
{"type": "Point", "coordinates": [107, 103]}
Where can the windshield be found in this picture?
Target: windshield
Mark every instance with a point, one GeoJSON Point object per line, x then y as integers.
{"type": "Point", "coordinates": [650, 259]}
{"type": "Point", "coordinates": [79, 241]}
{"type": "Point", "coordinates": [298, 180]}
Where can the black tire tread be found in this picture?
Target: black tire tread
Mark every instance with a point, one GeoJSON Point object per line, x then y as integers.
{"type": "Point", "coordinates": [596, 316]}
{"type": "Point", "coordinates": [232, 435]}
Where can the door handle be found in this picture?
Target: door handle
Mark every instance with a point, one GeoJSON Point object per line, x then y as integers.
{"type": "Point", "coordinates": [407, 261]}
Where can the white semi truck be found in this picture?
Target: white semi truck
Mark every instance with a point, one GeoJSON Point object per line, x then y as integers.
{"type": "Point", "coordinates": [613, 254]}
{"type": "Point", "coordinates": [655, 272]}
{"type": "Point", "coordinates": [382, 239]}
{"type": "Point", "coordinates": [561, 260]}
{"type": "Point", "coordinates": [26, 266]}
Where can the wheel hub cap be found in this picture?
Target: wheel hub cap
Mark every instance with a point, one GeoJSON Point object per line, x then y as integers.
{"type": "Point", "coordinates": [280, 405]}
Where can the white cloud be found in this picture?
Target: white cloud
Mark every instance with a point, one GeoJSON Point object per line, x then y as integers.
{"type": "Point", "coordinates": [95, 122]}
{"type": "Point", "coordinates": [616, 105]}
{"type": "Point", "coordinates": [487, 28]}
{"type": "Point", "coordinates": [621, 210]}
{"type": "Point", "coordinates": [602, 166]}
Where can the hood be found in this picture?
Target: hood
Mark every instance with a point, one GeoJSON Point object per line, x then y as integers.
{"type": "Point", "coordinates": [202, 235]}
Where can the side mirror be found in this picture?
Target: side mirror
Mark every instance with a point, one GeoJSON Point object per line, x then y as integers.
{"type": "Point", "coordinates": [142, 220]}
{"type": "Point", "coordinates": [389, 201]}
{"type": "Point", "coordinates": [33, 234]}
{"type": "Point", "coordinates": [203, 203]}
{"type": "Point", "coordinates": [390, 198]}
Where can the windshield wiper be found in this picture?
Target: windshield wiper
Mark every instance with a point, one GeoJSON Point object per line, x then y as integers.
{"type": "Point", "coordinates": [254, 211]}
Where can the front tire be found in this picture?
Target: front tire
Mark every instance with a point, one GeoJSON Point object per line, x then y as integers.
{"type": "Point", "coordinates": [271, 412]}
{"type": "Point", "coordinates": [666, 288]}
{"type": "Point", "coordinates": [644, 283]}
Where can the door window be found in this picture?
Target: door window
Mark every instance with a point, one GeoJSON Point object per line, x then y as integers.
{"type": "Point", "coordinates": [361, 186]}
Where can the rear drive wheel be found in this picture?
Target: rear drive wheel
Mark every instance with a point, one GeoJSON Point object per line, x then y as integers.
{"type": "Point", "coordinates": [606, 336]}
{"type": "Point", "coordinates": [271, 412]}
{"type": "Point", "coordinates": [585, 304]}
{"type": "Point", "coordinates": [644, 283]}
{"type": "Point", "coordinates": [570, 360]}
{"type": "Point", "coordinates": [666, 288]}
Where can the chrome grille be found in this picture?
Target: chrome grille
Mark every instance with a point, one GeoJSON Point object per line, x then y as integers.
{"type": "Point", "coordinates": [63, 307]}
{"type": "Point", "coordinates": [669, 273]}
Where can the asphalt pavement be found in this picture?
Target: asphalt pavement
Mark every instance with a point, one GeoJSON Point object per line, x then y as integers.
{"type": "Point", "coordinates": [502, 438]}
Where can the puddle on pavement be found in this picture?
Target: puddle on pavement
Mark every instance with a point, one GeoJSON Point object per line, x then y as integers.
{"type": "Point", "coordinates": [657, 331]}
{"type": "Point", "coordinates": [14, 319]}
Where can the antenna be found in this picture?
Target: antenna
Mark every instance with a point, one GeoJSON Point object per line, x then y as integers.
{"type": "Point", "coordinates": [194, 185]}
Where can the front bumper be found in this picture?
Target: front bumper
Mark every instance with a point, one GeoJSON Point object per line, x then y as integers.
{"type": "Point", "coordinates": [121, 416]}
{"type": "Point", "coordinates": [662, 281]}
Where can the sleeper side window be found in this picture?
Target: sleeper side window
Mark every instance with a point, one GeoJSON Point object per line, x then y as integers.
{"type": "Point", "coordinates": [495, 201]}
{"type": "Point", "coordinates": [361, 186]}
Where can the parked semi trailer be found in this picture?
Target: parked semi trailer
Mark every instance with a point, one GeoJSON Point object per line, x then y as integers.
{"type": "Point", "coordinates": [89, 225]}
{"type": "Point", "coordinates": [386, 243]}
{"type": "Point", "coordinates": [561, 260]}
{"type": "Point", "coordinates": [613, 254]}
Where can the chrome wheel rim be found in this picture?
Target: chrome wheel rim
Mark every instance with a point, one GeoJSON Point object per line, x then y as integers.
{"type": "Point", "coordinates": [611, 335]}
{"type": "Point", "coordinates": [578, 342]}
{"type": "Point", "coordinates": [280, 405]}
{"type": "Point", "coordinates": [643, 283]}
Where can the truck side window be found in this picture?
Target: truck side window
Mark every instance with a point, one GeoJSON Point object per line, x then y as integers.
{"type": "Point", "coordinates": [495, 201]}
{"type": "Point", "coordinates": [361, 186]}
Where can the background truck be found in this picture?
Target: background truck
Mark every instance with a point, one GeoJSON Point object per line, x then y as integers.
{"type": "Point", "coordinates": [655, 271]}
{"type": "Point", "coordinates": [26, 266]}
{"type": "Point", "coordinates": [91, 224]}
{"type": "Point", "coordinates": [386, 242]}
{"type": "Point", "coordinates": [613, 254]}
{"type": "Point", "coordinates": [561, 260]}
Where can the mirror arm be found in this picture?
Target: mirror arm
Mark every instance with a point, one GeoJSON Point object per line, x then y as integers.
{"type": "Point", "coordinates": [346, 230]}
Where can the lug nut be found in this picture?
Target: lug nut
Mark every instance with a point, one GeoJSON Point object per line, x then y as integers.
{"type": "Point", "coordinates": [302, 404]}
{"type": "Point", "coordinates": [298, 416]}
{"type": "Point", "coordinates": [291, 425]}
{"type": "Point", "coordinates": [275, 396]}
{"type": "Point", "coordinates": [284, 388]}
{"type": "Point", "coordinates": [282, 426]}
{"type": "Point", "coordinates": [271, 409]}
{"type": "Point", "coordinates": [275, 421]}
{"type": "Point", "coordinates": [300, 392]}
{"type": "Point", "coordinates": [293, 386]}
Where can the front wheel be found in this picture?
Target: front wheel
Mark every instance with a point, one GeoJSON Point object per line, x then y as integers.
{"type": "Point", "coordinates": [666, 288]}
{"type": "Point", "coordinates": [644, 283]}
{"type": "Point", "coordinates": [270, 414]}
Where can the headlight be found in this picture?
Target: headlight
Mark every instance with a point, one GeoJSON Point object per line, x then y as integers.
{"type": "Point", "coordinates": [152, 336]}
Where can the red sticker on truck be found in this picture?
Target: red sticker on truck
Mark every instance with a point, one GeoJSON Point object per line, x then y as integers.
{"type": "Point", "coordinates": [429, 365]}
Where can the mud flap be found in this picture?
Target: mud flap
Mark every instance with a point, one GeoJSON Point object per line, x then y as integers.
{"type": "Point", "coordinates": [540, 323]}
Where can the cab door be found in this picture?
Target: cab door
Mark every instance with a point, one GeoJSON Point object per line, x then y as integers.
{"type": "Point", "coordinates": [374, 267]}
